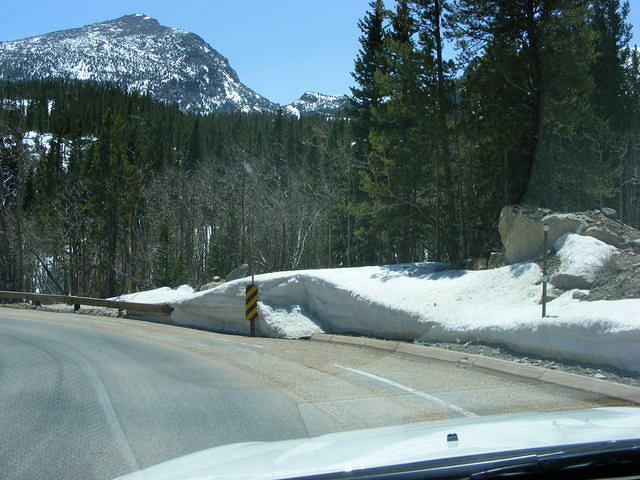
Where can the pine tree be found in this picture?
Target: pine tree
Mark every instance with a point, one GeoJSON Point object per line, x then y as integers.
{"type": "Point", "coordinates": [162, 260]}
{"type": "Point", "coordinates": [104, 180]}
{"type": "Point", "coordinates": [363, 242]}
{"type": "Point", "coordinates": [194, 154]}
{"type": "Point", "coordinates": [371, 59]}
{"type": "Point", "coordinates": [439, 74]}
{"type": "Point", "coordinates": [608, 68]}
{"type": "Point", "coordinates": [531, 81]}
{"type": "Point", "coordinates": [394, 179]}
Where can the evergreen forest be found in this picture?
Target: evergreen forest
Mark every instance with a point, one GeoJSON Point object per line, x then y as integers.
{"type": "Point", "coordinates": [458, 108]}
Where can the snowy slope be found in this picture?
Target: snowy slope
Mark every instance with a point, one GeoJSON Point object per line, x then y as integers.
{"type": "Point", "coordinates": [138, 54]}
{"type": "Point", "coordinates": [38, 144]}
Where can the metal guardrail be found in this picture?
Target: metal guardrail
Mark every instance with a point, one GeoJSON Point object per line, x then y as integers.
{"type": "Point", "coordinates": [130, 307]}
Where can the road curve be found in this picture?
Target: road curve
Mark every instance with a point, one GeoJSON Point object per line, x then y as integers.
{"type": "Point", "coordinates": [96, 397]}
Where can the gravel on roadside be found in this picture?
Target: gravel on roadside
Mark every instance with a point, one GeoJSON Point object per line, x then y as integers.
{"type": "Point", "coordinates": [571, 366]}
{"type": "Point", "coordinates": [63, 308]}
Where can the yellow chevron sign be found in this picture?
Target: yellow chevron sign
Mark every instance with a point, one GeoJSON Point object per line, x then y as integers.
{"type": "Point", "coordinates": [251, 302]}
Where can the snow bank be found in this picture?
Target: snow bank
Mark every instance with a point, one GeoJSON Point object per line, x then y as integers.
{"type": "Point", "coordinates": [601, 333]}
{"type": "Point", "coordinates": [158, 295]}
{"type": "Point", "coordinates": [424, 302]}
{"type": "Point", "coordinates": [397, 301]}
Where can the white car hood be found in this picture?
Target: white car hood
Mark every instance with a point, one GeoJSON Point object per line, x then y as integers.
{"type": "Point", "coordinates": [397, 445]}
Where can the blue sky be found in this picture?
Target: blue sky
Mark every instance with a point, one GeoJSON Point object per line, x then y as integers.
{"type": "Point", "coordinates": [280, 48]}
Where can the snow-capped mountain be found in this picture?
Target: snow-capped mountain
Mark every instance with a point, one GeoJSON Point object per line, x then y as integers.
{"type": "Point", "coordinates": [138, 54]}
{"type": "Point", "coordinates": [313, 103]}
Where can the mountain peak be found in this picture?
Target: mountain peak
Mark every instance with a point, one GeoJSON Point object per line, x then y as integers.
{"type": "Point", "coordinates": [315, 103]}
{"type": "Point", "coordinates": [135, 23]}
{"type": "Point", "coordinates": [139, 54]}
{"type": "Point", "coordinates": [135, 19]}
{"type": "Point", "coordinates": [315, 96]}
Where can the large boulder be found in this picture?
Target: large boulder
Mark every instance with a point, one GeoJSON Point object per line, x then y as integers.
{"type": "Point", "coordinates": [604, 226]}
{"type": "Point", "coordinates": [605, 235]}
{"type": "Point", "coordinates": [239, 272]}
{"type": "Point", "coordinates": [521, 230]}
{"type": "Point", "coordinates": [581, 259]}
{"type": "Point", "coordinates": [210, 285]}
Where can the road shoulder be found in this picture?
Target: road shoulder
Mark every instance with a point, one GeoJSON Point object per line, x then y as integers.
{"type": "Point", "coordinates": [564, 379]}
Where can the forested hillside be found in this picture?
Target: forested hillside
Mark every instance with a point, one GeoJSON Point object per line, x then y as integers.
{"type": "Point", "coordinates": [104, 192]}
{"type": "Point", "coordinates": [130, 193]}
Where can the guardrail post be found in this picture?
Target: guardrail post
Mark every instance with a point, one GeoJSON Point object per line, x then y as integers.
{"type": "Point", "coordinates": [76, 307]}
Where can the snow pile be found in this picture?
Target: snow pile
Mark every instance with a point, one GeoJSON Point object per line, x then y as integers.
{"type": "Point", "coordinates": [158, 295]}
{"type": "Point", "coordinates": [581, 258]}
{"type": "Point", "coordinates": [427, 302]}
{"type": "Point", "coordinates": [38, 141]}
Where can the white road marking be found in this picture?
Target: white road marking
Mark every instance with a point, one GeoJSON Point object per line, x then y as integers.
{"type": "Point", "coordinates": [413, 391]}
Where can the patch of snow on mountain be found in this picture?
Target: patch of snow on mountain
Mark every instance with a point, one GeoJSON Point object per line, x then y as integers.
{"type": "Point", "coordinates": [291, 110]}
{"type": "Point", "coordinates": [38, 145]}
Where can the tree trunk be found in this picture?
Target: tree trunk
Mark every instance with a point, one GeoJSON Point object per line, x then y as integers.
{"type": "Point", "coordinates": [452, 240]}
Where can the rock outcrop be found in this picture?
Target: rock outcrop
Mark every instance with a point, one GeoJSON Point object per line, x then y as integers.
{"type": "Point", "coordinates": [209, 286]}
{"type": "Point", "coordinates": [521, 231]}
{"type": "Point", "coordinates": [239, 272]}
{"type": "Point", "coordinates": [605, 235]}
{"type": "Point", "coordinates": [591, 252]}
{"type": "Point", "coordinates": [522, 235]}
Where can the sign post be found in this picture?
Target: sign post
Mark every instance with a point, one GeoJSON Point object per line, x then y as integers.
{"type": "Point", "coordinates": [251, 307]}
{"type": "Point", "coordinates": [545, 275]}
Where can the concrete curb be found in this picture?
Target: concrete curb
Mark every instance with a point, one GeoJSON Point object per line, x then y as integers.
{"type": "Point", "coordinates": [563, 379]}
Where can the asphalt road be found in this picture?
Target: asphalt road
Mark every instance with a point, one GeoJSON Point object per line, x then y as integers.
{"type": "Point", "coordinates": [93, 397]}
